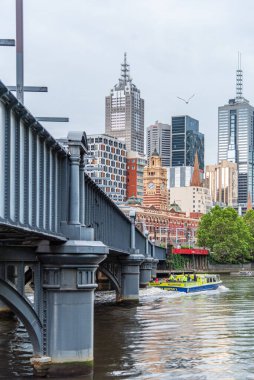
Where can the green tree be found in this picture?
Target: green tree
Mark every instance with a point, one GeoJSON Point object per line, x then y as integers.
{"type": "Point", "coordinates": [249, 220]}
{"type": "Point", "coordinates": [227, 236]}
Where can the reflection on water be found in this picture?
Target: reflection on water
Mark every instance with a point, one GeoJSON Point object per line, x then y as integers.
{"type": "Point", "coordinates": [15, 350]}
{"type": "Point", "coordinates": [201, 336]}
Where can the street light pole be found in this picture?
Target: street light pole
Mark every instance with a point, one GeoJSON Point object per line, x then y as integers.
{"type": "Point", "coordinates": [19, 51]}
{"type": "Point", "coordinates": [132, 218]}
{"type": "Point", "coordinates": [20, 88]}
{"type": "Point", "coordinates": [146, 233]}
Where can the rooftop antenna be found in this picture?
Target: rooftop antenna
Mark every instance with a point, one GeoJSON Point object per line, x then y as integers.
{"type": "Point", "coordinates": [20, 88]}
{"type": "Point", "coordinates": [125, 71]}
{"type": "Point", "coordinates": [239, 79]}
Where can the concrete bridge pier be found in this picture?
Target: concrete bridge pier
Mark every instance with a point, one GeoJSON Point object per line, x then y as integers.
{"type": "Point", "coordinates": [129, 290]}
{"type": "Point", "coordinates": [130, 268]}
{"type": "Point", "coordinates": [146, 266]}
{"type": "Point", "coordinates": [68, 283]}
{"type": "Point", "coordinates": [154, 268]}
{"type": "Point", "coordinates": [146, 271]}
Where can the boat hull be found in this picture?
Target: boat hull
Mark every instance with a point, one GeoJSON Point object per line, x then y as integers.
{"type": "Point", "coordinates": [189, 289]}
{"type": "Point", "coordinates": [193, 289]}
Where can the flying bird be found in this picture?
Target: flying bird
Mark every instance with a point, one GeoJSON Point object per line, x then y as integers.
{"type": "Point", "coordinates": [186, 101]}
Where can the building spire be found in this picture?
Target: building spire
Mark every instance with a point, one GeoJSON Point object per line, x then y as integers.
{"type": "Point", "coordinates": [155, 153]}
{"type": "Point", "coordinates": [195, 180]}
{"type": "Point", "coordinates": [125, 71]}
{"type": "Point", "coordinates": [239, 79]}
{"type": "Point", "coordinates": [249, 204]}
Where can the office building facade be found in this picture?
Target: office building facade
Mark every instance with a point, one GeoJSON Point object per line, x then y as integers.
{"type": "Point", "coordinates": [191, 199]}
{"type": "Point", "coordinates": [163, 226]}
{"type": "Point", "coordinates": [134, 175]}
{"type": "Point", "coordinates": [222, 182]}
{"type": "Point", "coordinates": [105, 163]}
{"type": "Point", "coordinates": [179, 176]}
{"type": "Point", "coordinates": [124, 112]}
{"type": "Point", "coordinates": [235, 139]}
{"type": "Point", "coordinates": [194, 198]}
{"type": "Point", "coordinates": [158, 136]}
{"type": "Point", "coordinates": [235, 143]}
{"type": "Point", "coordinates": [186, 141]}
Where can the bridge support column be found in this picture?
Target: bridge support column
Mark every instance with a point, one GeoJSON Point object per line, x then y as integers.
{"type": "Point", "coordinates": [68, 280]}
{"type": "Point", "coordinates": [130, 278]}
{"type": "Point", "coordinates": [154, 268]}
{"type": "Point", "coordinates": [146, 272]}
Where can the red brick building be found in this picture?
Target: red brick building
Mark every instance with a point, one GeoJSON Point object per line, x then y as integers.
{"type": "Point", "coordinates": [134, 175]}
{"type": "Point", "coordinates": [165, 223]}
{"type": "Point", "coordinates": [164, 226]}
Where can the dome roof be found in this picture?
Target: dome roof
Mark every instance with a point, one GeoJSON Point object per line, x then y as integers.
{"type": "Point", "coordinates": [133, 200]}
{"type": "Point", "coordinates": [175, 207]}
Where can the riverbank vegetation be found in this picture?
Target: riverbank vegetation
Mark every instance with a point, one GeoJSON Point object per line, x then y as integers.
{"type": "Point", "coordinates": [228, 236]}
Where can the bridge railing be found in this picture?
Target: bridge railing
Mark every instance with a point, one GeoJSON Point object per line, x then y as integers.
{"type": "Point", "coordinates": [31, 162]}
{"type": "Point", "coordinates": [160, 253]}
{"type": "Point", "coordinates": [140, 241]}
{"type": "Point", "coordinates": [110, 225]}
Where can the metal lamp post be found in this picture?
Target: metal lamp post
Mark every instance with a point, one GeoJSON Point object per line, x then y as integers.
{"type": "Point", "coordinates": [132, 215]}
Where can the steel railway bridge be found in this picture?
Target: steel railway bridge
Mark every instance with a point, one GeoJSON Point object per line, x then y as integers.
{"type": "Point", "coordinates": [57, 228]}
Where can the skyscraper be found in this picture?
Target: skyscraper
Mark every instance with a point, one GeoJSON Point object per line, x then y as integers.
{"type": "Point", "coordinates": [179, 176]}
{"type": "Point", "coordinates": [125, 112]}
{"type": "Point", "coordinates": [186, 141]}
{"type": "Point", "coordinates": [105, 163]}
{"type": "Point", "coordinates": [222, 182]}
{"type": "Point", "coordinates": [235, 138]}
{"type": "Point", "coordinates": [159, 137]}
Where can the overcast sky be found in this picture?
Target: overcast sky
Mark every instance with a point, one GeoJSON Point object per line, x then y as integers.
{"type": "Point", "coordinates": [174, 47]}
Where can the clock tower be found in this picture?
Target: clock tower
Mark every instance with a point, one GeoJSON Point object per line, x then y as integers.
{"type": "Point", "coordinates": [155, 183]}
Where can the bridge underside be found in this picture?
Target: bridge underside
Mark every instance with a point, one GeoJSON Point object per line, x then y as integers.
{"type": "Point", "coordinates": [10, 234]}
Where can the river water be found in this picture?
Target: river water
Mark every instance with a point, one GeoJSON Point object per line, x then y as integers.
{"type": "Point", "coordinates": [201, 336]}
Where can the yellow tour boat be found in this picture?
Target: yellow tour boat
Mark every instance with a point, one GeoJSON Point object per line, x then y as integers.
{"type": "Point", "coordinates": [188, 283]}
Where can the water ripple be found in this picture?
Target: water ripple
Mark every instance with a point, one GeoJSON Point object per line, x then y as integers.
{"type": "Point", "coordinates": [168, 335]}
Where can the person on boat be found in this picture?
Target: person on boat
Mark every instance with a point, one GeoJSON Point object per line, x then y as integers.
{"type": "Point", "coordinates": [184, 278]}
{"type": "Point", "coordinates": [156, 280]}
{"type": "Point", "coordinates": [171, 277]}
{"type": "Point", "coordinates": [188, 278]}
{"type": "Point", "coordinates": [195, 277]}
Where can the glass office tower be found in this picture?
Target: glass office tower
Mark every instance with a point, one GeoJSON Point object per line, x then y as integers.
{"type": "Point", "coordinates": [186, 140]}
{"type": "Point", "coordinates": [235, 138]}
{"type": "Point", "coordinates": [235, 142]}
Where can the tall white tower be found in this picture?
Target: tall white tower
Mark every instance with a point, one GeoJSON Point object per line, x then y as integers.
{"type": "Point", "coordinates": [235, 137]}
{"type": "Point", "coordinates": [158, 136]}
{"type": "Point", "coordinates": [125, 112]}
